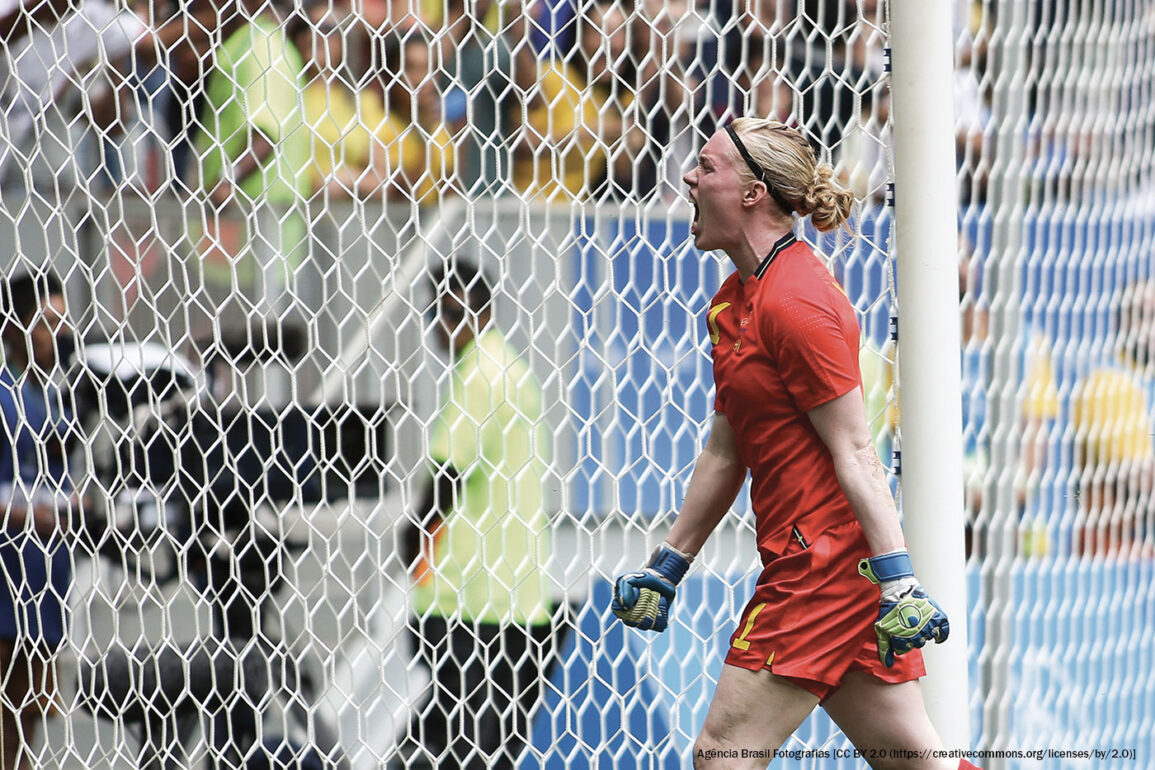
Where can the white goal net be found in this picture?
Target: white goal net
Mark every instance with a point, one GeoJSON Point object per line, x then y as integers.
{"type": "Point", "coordinates": [217, 548]}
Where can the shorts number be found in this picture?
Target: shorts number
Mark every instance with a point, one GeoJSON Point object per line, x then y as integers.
{"type": "Point", "coordinates": [742, 643]}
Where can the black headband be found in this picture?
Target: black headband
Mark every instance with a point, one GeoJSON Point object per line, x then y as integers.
{"type": "Point", "coordinates": [758, 171]}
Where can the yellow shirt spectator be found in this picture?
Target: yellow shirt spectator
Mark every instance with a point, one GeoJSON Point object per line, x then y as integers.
{"type": "Point", "coordinates": [426, 146]}
{"type": "Point", "coordinates": [354, 144]}
{"type": "Point", "coordinates": [1112, 419]}
{"type": "Point", "coordinates": [428, 159]}
{"type": "Point", "coordinates": [561, 149]}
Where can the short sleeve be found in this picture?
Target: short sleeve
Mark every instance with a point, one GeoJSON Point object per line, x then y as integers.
{"type": "Point", "coordinates": [817, 362]}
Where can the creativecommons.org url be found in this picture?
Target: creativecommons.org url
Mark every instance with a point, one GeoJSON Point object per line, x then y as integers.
{"type": "Point", "coordinates": [1100, 755]}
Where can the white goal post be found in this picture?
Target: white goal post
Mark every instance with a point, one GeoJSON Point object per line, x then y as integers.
{"type": "Point", "coordinates": [925, 250]}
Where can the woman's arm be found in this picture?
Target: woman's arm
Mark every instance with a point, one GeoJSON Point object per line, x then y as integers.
{"type": "Point", "coordinates": [841, 424]}
{"type": "Point", "coordinates": [717, 478]}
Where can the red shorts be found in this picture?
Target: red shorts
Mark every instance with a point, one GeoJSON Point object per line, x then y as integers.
{"type": "Point", "coordinates": [811, 619]}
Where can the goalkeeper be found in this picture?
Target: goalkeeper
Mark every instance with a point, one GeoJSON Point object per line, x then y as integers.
{"type": "Point", "coordinates": [837, 615]}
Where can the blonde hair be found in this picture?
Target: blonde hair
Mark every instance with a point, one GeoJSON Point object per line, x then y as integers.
{"type": "Point", "coordinates": [791, 167]}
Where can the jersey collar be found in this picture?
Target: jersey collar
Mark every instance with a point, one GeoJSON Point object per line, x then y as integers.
{"type": "Point", "coordinates": [780, 245]}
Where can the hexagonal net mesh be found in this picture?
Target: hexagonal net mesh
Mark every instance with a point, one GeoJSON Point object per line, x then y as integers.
{"type": "Point", "coordinates": [287, 505]}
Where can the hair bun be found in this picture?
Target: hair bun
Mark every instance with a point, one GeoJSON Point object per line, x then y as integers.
{"type": "Point", "coordinates": [827, 202]}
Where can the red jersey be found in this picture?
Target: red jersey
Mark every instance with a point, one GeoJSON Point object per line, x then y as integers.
{"type": "Point", "coordinates": [785, 341]}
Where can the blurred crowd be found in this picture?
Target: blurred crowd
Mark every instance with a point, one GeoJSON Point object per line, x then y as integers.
{"type": "Point", "coordinates": [550, 99]}
{"type": "Point", "coordinates": [417, 101]}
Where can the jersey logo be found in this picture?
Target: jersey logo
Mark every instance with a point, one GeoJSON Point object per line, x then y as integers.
{"type": "Point", "coordinates": [712, 322]}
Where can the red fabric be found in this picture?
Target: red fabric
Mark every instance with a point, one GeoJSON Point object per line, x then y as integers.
{"type": "Point", "coordinates": [812, 615]}
{"type": "Point", "coordinates": [782, 345]}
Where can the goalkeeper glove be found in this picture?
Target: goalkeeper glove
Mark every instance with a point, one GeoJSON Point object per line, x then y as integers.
{"type": "Point", "coordinates": [907, 616]}
{"type": "Point", "coordinates": [642, 599]}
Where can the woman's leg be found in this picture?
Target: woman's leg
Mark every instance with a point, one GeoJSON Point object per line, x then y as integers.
{"type": "Point", "coordinates": [753, 712]}
{"type": "Point", "coordinates": [887, 720]}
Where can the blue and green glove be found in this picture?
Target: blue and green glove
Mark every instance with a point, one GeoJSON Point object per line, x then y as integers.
{"type": "Point", "coordinates": [642, 599]}
{"type": "Point", "coordinates": [907, 617]}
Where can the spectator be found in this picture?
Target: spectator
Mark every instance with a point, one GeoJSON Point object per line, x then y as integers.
{"type": "Point", "coordinates": [169, 77]}
{"type": "Point", "coordinates": [558, 141]}
{"type": "Point", "coordinates": [550, 27]}
{"type": "Point", "coordinates": [1113, 429]}
{"type": "Point", "coordinates": [653, 83]}
{"type": "Point", "coordinates": [481, 620]}
{"type": "Point", "coordinates": [35, 494]}
{"type": "Point", "coordinates": [866, 40]}
{"type": "Point", "coordinates": [48, 48]}
{"type": "Point", "coordinates": [571, 101]}
{"type": "Point", "coordinates": [763, 18]}
{"type": "Point", "coordinates": [108, 53]}
{"type": "Point", "coordinates": [607, 79]}
{"type": "Point", "coordinates": [675, 45]}
{"type": "Point", "coordinates": [380, 16]}
{"type": "Point", "coordinates": [479, 95]}
{"type": "Point", "coordinates": [350, 132]}
{"type": "Point", "coordinates": [754, 52]}
{"type": "Point", "coordinates": [425, 147]}
{"type": "Point", "coordinates": [253, 149]}
{"type": "Point", "coordinates": [974, 137]}
{"type": "Point", "coordinates": [165, 77]}
{"type": "Point", "coordinates": [251, 144]}
{"type": "Point", "coordinates": [695, 30]}
{"type": "Point", "coordinates": [822, 67]}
